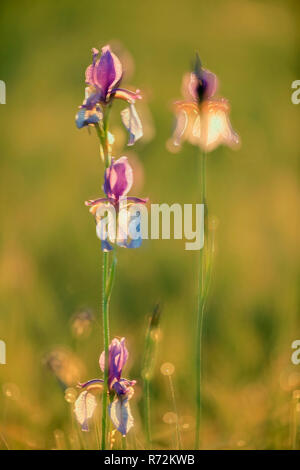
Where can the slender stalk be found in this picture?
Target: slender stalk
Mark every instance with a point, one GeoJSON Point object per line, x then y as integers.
{"type": "Point", "coordinates": [105, 317]}
{"type": "Point", "coordinates": [147, 412]}
{"type": "Point", "coordinates": [178, 437]}
{"type": "Point", "coordinates": [148, 367]}
{"type": "Point", "coordinates": [108, 274]}
{"type": "Point", "coordinates": [201, 305]}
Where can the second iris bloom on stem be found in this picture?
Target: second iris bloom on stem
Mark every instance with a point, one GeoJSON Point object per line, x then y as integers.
{"type": "Point", "coordinates": [118, 179]}
{"type": "Point", "coordinates": [120, 390]}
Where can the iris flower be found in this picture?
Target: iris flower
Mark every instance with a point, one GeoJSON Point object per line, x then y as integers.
{"type": "Point", "coordinates": [120, 390]}
{"type": "Point", "coordinates": [103, 78]}
{"type": "Point", "coordinates": [118, 180]}
{"type": "Point", "coordinates": [202, 119]}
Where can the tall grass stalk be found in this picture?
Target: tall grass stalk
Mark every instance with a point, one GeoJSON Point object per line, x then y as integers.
{"type": "Point", "coordinates": [295, 420]}
{"type": "Point", "coordinates": [172, 390]}
{"type": "Point", "coordinates": [148, 367]}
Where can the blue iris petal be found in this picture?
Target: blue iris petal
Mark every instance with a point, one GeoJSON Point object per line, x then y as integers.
{"type": "Point", "coordinates": [85, 117]}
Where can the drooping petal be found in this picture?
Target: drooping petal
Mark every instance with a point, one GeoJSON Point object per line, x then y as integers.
{"type": "Point", "coordinates": [132, 123]}
{"type": "Point", "coordinates": [215, 128]}
{"type": "Point", "coordinates": [118, 179]}
{"type": "Point", "coordinates": [120, 414]}
{"type": "Point", "coordinates": [127, 95]}
{"type": "Point", "coordinates": [84, 408]}
{"type": "Point", "coordinates": [186, 115]}
{"type": "Point", "coordinates": [84, 117]}
{"type": "Point", "coordinates": [90, 384]}
{"type": "Point", "coordinates": [106, 231]}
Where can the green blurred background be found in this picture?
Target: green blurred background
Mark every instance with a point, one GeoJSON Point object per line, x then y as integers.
{"type": "Point", "coordinates": [50, 261]}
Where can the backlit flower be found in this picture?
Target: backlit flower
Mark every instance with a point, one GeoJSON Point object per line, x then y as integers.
{"type": "Point", "coordinates": [119, 388]}
{"type": "Point", "coordinates": [202, 119]}
{"type": "Point", "coordinates": [103, 78]}
{"type": "Point", "coordinates": [118, 180]}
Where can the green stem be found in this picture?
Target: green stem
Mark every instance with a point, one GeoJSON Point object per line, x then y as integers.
{"type": "Point", "coordinates": [148, 367]}
{"type": "Point", "coordinates": [147, 412]}
{"type": "Point", "coordinates": [201, 306]}
{"type": "Point", "coordinates": [108, 274]}
{"type": "Point", "coordinates": [105, 315]}
{"type": "Point", "coordinates": [178, 437]}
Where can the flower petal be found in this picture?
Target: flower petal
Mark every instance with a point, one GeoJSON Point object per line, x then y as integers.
{"type": "Point", "coordinates": [132, 123]}
{"type": "Point", "coordinates": [118, 179]}
{"type": "Point", "coordinates": [216, 128]}
{"type": "Point", "coordinates": [127, 95]}
{"type": "Point", "coordinates": [84, 117]}
{"type": "Point", "coordinates": [107, 72]}
{"type": "Point", "coordinates": [118, 356]}
{"type": "Point", "coordinates": [120, 414]}
{"type": "Point", "coordinates": [187, 113]}
{"type": "Point", "coordinates": [89, 73]}
{"type": "Point", "coordinates": [84, 408]}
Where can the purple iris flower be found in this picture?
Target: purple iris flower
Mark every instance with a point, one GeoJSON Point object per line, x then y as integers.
{"type": "Point", "coordinates": [103, 78]}
{"type": "Point", "coordinates": [118, 180]}
{"type": "Point", "coordinates": [120, 388]}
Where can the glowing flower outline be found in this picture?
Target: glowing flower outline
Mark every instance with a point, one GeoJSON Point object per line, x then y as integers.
{"type": "Point", "coordinates": [103, 78]}
{"type": "Point", "coordinates": [120, 389]}
{"type": "Point", "coordinates": [118, 180]}
{"type": "Point", "coordinates": [202, 119]}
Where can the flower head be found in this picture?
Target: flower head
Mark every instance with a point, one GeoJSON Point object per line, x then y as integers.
{"type": "Point", "coordinates": [202, 119]}
{"type": "Point", "coordinates": [200, 84]}
{"type": "Point", "coordinates": [103, 78]}
{"type": "Point", "coordinates": [120, 388]}
{"type": "Point", "coordinates": [118, 179]}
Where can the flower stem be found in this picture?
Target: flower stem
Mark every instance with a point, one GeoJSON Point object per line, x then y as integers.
{"type": "Point", "coordinates": [201, 306]}
{"type": "Point", "coordinates": [105, 317]}
{"type": "Point", "coordinates": [108, 274]}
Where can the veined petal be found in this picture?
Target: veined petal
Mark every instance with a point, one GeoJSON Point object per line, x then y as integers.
{"type": "Point", "coordinates": [84, 117]}
{"type": "Point", "coordinates": [118, 355]}
{"type": "Point", "coordinates": [216, 128]}
{"type": "Point", "coordinates": [127, 95]}
{"type": "Point", "coordinates": [91, 383]}
{"type": "Point", "coordinates": [89, 73]}
{"type": "Point", "coordinates": [84, 408]}
{"type": "Point", "coordinates": [96, 202]}
{"type": "Point", "coordinates": [186, 115]}
{"type": "Point", "coordinates": [137, 200]}
{"type": "Point", "coordinates": [107, 72]}
{"type": "Point", "coordinates": [120, 414]}
{"type": "Point", "coordinates": [118, 179]}
{"type": "Point", "coordinates": [132, 123]}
